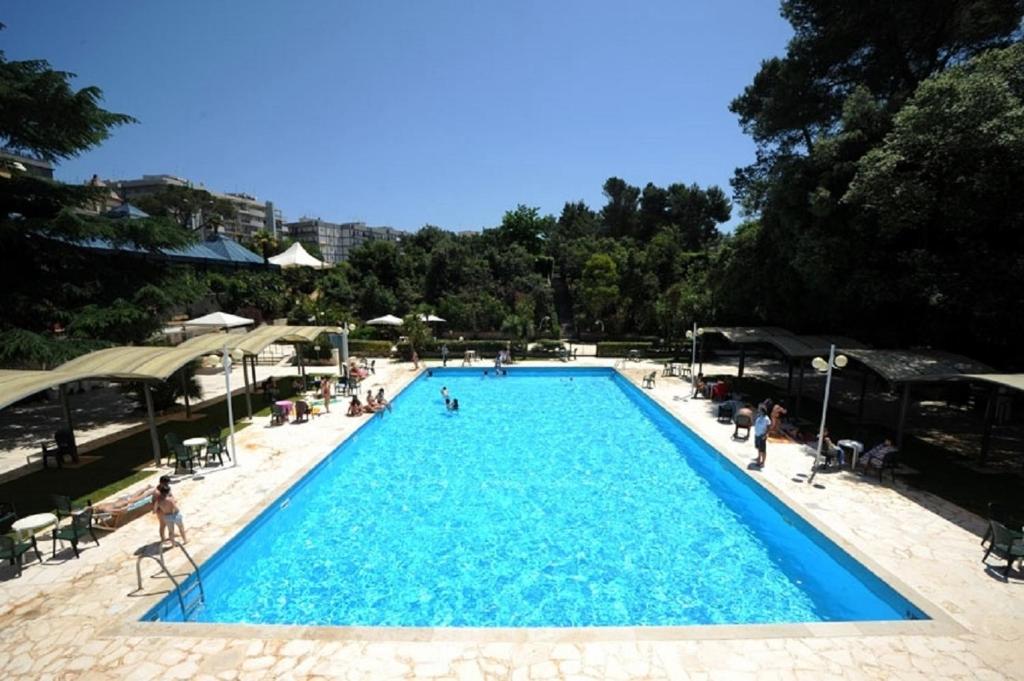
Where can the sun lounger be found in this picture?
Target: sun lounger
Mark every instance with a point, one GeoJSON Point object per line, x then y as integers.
{"type": "Point", "coordinates": [122, 515]}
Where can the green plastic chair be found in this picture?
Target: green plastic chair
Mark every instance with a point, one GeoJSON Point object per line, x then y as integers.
{"type": "Point", "coordinates": [1006, 543]}
{"type": "Point", "coordinates": [215, 446]}
{"type": "Point", "coordinates": [80, 526]}
{"type": "Point", "coordinates": [173, 441]}
{"type": "Point", "coordinates": [65, 507]}
{"type": "Point", "coordinates": [13, 550]}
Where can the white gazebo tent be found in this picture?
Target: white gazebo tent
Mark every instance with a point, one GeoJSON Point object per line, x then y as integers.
{"type": "Point", "coordinates": [219, 320]}
{"type": "Point", "coordinates": [296, 256]}
{"type": "Point", "coordinates": [386, 320]}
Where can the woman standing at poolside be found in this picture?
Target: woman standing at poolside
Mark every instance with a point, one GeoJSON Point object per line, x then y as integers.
{"type": "Point", "coordinates": [325, 392]}
{"type": "Point", "coordinates": [167, 510]}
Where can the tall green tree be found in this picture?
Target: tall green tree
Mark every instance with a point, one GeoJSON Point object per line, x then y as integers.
{"type": "Point", "coordinates": [61, 300]}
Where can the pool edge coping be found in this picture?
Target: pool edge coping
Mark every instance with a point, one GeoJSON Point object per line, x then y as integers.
{"type": "Point", "coordinates": [130, 623]}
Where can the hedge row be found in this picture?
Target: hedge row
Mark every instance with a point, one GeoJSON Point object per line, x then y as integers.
{"type": "Point", "coordinates": [457, 348]}
{"type": "Point", "coordinates": [371, 348]}
{"type": "Point", "coordinates": [621, 349]}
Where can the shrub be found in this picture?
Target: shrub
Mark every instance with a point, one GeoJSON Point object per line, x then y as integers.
{"type": "Point", "coordinates": [457, 348]}
{"type": "Point", "coordinates": [621, 349]}
{"type": "Point", "coordinates": [371, 348]}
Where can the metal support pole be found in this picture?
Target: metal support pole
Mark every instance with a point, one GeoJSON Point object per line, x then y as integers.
{"type": "Point", "coordinates": [344, 344]}
{"type": "Point", "coordinates": [248, 398]}
{"type": "Point", "coordinates": [743, 360]}
{"type": "Point", "coordinates": [990, 417]}
{"type": "Point", "coordinates": [184, 391]}
{"type": "Point", "coordinates": [152, 425]}
{"type": "Point", "coordinates": [65, 407]}
{"type": "Point", "coordinates": [824, 412]}
{"type": "Point", "coordinates": [863, 392]}
{"type": "Point", "coordinates": [903, 415]}
{"type": "Point", "coordinates": [789, 381]}
{"type": "Point", "coordinates": [799, 389]}
{"type": "Point", "coordinates": [693, 363]}
{"type": "Point", "coordinates": [231, 411]}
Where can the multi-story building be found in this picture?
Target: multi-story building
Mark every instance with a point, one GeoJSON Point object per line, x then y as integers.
{"type": "Point", "coordinates": [251, 215]}
{"type": "Point", "coordinates": [336, 240]}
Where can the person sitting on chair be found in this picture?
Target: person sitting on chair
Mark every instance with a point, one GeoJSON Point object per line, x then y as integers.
{"type": "Point", "coordinates": [698, 385]}
{"type": "Point", "coordinates": [777, 412]}
{"type": "Point", "coordinates": [875, 456]}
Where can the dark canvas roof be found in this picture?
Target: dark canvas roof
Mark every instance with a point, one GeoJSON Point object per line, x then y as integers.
{"type": "Point", "coordinates": [905, 366]}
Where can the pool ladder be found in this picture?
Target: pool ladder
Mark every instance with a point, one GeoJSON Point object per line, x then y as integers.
{"type": "Point", "coordinates": [189, 598]}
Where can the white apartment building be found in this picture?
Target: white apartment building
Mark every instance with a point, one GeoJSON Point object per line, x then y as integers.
{"type": "Point", "coordinates": [252, 214]}
{"type": "Point", "coordinates": [336, 240]}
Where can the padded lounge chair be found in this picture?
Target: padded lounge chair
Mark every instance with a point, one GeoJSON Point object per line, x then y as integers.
{"type": "Point", "coordinates": [13, 550]}
{"type": "Point", "coordinates": [124, 515]}
{"type": "Point", "coordinates": [81, 526]}
{"type": "Point", "coordinates": [1006, 543]}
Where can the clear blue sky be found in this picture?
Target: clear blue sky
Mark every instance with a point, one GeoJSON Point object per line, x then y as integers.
{"type": "Point", "coordinates": [409, 113]}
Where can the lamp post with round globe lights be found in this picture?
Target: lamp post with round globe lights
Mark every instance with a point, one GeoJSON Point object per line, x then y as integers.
{"type": "Point", "coordinates": [822, 365]}
{"type": "Point", "coordinates": [237, 355]}
{"type": "Point", "coordinates": [693, 335]}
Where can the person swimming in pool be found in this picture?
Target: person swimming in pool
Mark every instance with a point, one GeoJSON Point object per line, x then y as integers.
{"type": "Point", "coordinates": [453, 405]}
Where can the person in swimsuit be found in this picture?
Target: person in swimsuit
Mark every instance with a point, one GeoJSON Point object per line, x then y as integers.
{"type": "Point", "coordinates": [167, 510]}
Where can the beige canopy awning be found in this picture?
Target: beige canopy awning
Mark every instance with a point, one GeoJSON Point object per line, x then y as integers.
{"type": "Point", "coordinates": [17, 384]}
{"type": "Point", "coordinates": [133, 363]}
{"type": "Point", "coordinates": [255, 341]}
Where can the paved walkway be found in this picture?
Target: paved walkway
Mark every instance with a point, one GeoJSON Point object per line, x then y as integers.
{"type": "Point", "coordinates": [74, 618]}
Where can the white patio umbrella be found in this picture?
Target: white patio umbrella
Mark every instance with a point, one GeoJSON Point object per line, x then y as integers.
{"type": "Point", "coordinates": [386, 320]}
{"type": "Point", "coordinates": [296, 256]}
{"type": "Point", "coordinates": [220, 320]}
{"type": "Point", "coordinates": [430, 318]}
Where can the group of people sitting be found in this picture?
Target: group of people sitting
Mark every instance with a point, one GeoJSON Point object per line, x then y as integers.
{"type": "Point", "coordinates": [372, 406]}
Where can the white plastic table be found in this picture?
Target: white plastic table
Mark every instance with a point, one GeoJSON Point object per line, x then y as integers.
{"type": "Point", "coordinates": [195, 446]}
{"type": "Point", "coordinates": [31, 524]}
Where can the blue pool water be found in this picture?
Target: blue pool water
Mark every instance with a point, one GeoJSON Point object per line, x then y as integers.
{"type": "Point", "coordinates": [553, 498]}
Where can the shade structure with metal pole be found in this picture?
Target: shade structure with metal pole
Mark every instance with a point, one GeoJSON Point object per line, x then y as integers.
{"type": "Point", "coordinates": [819, 363]}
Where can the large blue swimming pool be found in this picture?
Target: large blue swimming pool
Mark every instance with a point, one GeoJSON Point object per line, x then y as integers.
{"type": "Point", "coordinates": [552, 498]}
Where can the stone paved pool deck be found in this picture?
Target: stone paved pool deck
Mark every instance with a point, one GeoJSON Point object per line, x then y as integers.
{"type": "Point", "coordinates": [76, 619]}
